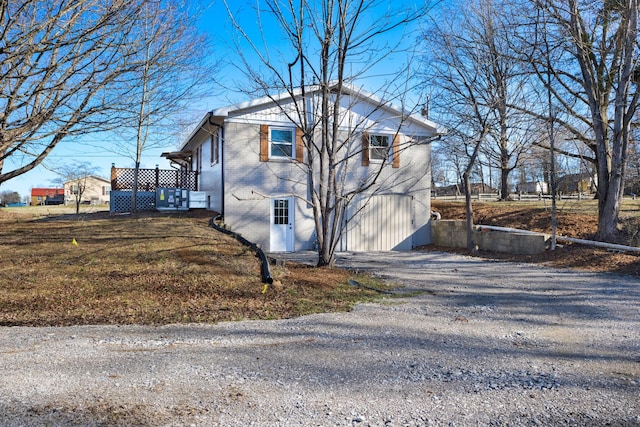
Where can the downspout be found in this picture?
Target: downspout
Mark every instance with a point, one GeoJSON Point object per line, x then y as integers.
{"type": "Point", "coordinates": [222, 168]}
{"type": "Point", "coordinates": [221, 159]}
{"type": "Point", "coordinates": [265, 271]}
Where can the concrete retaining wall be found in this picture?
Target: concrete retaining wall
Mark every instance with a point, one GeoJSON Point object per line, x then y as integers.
{"type": "Point", "coordinates": [452, 233]}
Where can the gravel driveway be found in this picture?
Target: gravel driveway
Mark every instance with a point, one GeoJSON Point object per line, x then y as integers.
{"type": "Point", "coordinates": [486, 343]}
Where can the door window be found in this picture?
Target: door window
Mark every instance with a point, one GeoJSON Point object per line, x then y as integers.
{"type": "Point", "coordinates": [281, 211]}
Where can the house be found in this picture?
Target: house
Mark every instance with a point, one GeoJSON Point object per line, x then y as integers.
{"type": "Point", "coordinates": [577, 183]}
{"type": "Point", "coordinates": [47, 196]}
{"type": "Point", "coordinates": [250, 160]}
{"type": "Point", "coordinates": [533, 187]}
{"type": "Point", "coordinates": [95, 190]}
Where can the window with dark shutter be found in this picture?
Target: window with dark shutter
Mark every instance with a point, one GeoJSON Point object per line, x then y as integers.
{"type": "Point", "coordinates": [281, 143]}
{"type": "Point", "coordinates": [379, 147]}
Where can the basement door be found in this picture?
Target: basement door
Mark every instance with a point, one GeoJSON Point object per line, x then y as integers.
{"type": "Point", "coordinates": [379, 223]}
{"type": "Point", "coordinates": [282, 227]}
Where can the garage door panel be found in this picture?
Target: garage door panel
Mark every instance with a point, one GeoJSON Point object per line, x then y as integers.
{"type": "Point", "coordinates": [380, 223]}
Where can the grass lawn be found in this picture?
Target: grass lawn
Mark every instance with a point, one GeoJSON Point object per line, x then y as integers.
{"type": "Point", "coordinates": [61, 269]}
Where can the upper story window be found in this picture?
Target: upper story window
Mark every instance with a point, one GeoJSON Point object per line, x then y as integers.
{"type": "Point", "coordinates": [379, 147]}
{"type": "Point", "coordinates": [281, 142]}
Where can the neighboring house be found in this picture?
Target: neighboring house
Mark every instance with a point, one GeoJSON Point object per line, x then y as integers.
{"type": "Point", "coordinates": [533, 187]}
{"type": "Point", "coordinates": [96, 190]}
{"type": "Point", "coordinates": [248, 160]}
{"type": "Point", "coordinates": [47, 196]}
{"type": "Point", "coordinates": [577, 183]}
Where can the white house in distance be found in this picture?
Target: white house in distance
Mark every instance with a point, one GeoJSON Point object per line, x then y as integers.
{"type": "Point", "coordinates": [96, 190]}
{"type": "Point", "coordinates": [250, 159]}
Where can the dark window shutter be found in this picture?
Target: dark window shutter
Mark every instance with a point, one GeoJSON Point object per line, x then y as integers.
{"type": "Point", "coordinates": [264, 143]}
{"type": "Point", "coordinates": [299, 145]}
{"type": "Point", "coordinates": [396, 151]}
{"type": "Point", "coordinates": [365, 149]}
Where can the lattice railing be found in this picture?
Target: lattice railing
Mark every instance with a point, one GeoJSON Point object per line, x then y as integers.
{"type": "Point", "coordinates": [151, 179]}
{"type": "Point", "coordinates": [120, 201]}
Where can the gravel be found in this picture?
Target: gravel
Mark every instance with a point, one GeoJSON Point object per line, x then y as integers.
{"type": "Point", "coordinates": [485, 343]}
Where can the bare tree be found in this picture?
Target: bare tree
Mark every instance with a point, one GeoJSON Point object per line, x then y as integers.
{"type": "Point", "coordinates": [8, 196]}
{"type": "Point", "coordinates": [74, 176]}
{"type": "Point", "coordinates": [62, 62]}
{"type": "Point", "coordinates": [460, 67]}
{"type": "Point", "coordinates": [595, 75]}
{"type": "Point", "coordinates": [479, 38]}
{"type": "Point", "coordinates": [327, 45]}
{"type": "Point", "coordinates": [171, 70]}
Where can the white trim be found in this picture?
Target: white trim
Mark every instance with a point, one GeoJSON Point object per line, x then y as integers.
{"type": "Point", "coordinates": [290, 129]}
{"type": "Point", "coordinates": [347, 89]}
{"type": "Point", "coordinates": [389, 148]}
{"type": "Point", "coordinates": [223, 114]}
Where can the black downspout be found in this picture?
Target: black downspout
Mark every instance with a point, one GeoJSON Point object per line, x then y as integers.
{"type": "Point", "coordinates": [222, 167]}
{"type": "Point", "coordinates": [265, 271]}
{"type": "Point", "coordinates": [221, 159]}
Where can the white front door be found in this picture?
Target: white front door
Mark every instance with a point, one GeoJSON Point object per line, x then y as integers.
{"type": "Point", "coordinates": [282, 231]}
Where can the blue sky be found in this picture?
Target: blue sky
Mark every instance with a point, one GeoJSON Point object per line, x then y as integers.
{"type": "Point", "coordinates": [97, 150]}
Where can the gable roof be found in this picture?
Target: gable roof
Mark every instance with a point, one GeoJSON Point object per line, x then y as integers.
{"type": "Point", "coordinates": [47, 192]}
{"type": "Point", "coordinates": [220, 114]}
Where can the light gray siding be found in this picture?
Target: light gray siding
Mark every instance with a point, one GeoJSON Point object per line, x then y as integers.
{"type": "Point", "coordinates": [249, 184]}
{"type": "Point", "coordinates": [210, 177]}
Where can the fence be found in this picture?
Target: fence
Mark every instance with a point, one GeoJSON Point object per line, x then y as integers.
{"type": "Point", "coordinates": [149, 180]}
{"type": "Point", "coordinates": [516, 196]}
{"type": "Point", "coordinates": [121, 201]}
{"type": "Point", "coordinates": [152, 179]}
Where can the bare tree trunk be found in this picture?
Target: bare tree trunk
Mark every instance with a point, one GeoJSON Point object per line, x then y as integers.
{"type": "Point", "coordinates": [603, 44]}
{"type": "Point", "coordinates": [504, 175]}
{"type": "Point", "coordinates": [471, 245]}
{"type": "Point", "coordinates": [134, 188]}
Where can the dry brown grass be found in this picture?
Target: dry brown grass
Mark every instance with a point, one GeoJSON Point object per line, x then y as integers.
{"type": "Point", "coordinates": [149, 269]}
{"type": "Point", "coordinates": [574, 220]}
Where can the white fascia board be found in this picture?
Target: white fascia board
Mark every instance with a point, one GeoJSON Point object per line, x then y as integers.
{"type": "Point", "coordinates": [195, 131]}
{"type": "Point", "coordinates": [265, 100]}
{"type": "Point", "coordinates": [376, 100]}
{"type": "Point", "coordinates": [223, 113]}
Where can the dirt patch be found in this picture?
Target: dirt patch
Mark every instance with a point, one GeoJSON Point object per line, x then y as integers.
{"type": "Point", "coordinates": [570, 224]}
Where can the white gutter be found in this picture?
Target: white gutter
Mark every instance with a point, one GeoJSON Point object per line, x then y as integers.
{"type": "Point", "coordinates": [604, 245]}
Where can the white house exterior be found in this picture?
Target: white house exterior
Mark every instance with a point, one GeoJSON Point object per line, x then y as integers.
{"type": "Point", "coordinates": [250, 162]}
{"type": "Point", "coordinates": [96, 190]}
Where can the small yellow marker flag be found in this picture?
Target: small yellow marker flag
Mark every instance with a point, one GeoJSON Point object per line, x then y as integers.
{"type": "Point", "coordinates": [74, 243]}
{"type": "Point", "coordinates": [264, 288]}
